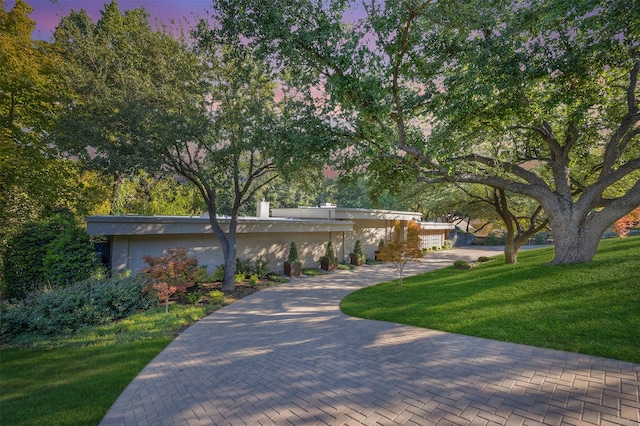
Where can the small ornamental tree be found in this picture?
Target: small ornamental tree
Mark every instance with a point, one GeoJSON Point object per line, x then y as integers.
{"type": "Point", "coordinates": [172, 273]}
{"type": "Point", "coordinates": [625, 223]}
{"type": "Point", "coordinates": [400, 251]}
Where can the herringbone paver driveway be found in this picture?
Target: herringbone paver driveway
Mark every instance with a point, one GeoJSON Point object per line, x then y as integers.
{"type": "Point", "coordinates": [287, 355]}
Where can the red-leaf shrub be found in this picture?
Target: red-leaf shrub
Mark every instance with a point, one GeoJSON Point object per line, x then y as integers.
{"type": "Point", "coordinates": [171, 274]}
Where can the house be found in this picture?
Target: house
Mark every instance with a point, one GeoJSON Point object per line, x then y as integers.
{"type": "Point", "coordinates": [268, 234]}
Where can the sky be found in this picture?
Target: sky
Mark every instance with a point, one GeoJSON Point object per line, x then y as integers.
{"type": "Point", "coordinates": [47, 13]}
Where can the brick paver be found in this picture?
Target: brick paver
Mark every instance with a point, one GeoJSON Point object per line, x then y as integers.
{"type": "Point", "coordinates": [287, 355]}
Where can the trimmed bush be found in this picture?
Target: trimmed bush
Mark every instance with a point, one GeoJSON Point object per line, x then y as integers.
{"type": "Point", "coordinates": [448, 244]}
{"type": "Point", "coordinates": [461, 264]}
{"type": "Point", "coordinates": [483, 259]}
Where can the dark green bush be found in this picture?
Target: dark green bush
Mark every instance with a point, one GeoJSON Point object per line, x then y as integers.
{"type": "Point", "coordinates": [67, 309]}
{"type": "Point", "coordinates": [218, 274]}
{"type": "Point", "coordinates": [260, 267]}
{"type": "Point", "coordinates": [243, 267]}
{"type": "Point", "coordinates": [461, 264]}
{"type": "Point", "coordinates": [483, 259]}
{"type": "Point", "coordinates": [50, 251]}
{"type": "Point", "coordinates": [494, 240]}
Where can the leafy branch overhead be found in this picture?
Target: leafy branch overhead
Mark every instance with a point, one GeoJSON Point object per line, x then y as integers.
{"type": "Point", "coordinates": [539, 100]}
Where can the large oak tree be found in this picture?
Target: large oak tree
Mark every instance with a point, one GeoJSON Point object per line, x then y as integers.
{"type": "Point", "coordinates": [538, 99]}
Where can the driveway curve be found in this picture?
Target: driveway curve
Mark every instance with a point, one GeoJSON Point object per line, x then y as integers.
{"type": "Point", "coordinates": [288, 355]}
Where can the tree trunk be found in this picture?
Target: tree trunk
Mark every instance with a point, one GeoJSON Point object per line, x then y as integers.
{"type": "Point", "coordinates": [510, 250]}
{"type": "Point", "coordinates": [229, 280]}
{"type": "Point", "coordinates": [575, 247]}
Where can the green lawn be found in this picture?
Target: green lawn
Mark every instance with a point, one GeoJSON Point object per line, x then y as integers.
{"type": "Point", "coordinates": [74, 379]}
{"type": "Point", "coordinates": [592, 308]}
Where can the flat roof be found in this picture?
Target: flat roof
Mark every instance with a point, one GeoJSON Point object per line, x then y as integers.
{"type": "Point", "coordinates": [155, 225]}
{"type": "Point", "coordinates": [334, 212]}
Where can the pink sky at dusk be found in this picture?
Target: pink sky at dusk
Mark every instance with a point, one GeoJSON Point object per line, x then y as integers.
{"type": "Point", "coordinates": [47, 13]}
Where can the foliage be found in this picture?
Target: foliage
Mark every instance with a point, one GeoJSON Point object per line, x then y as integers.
{"type": "Point", "coordinates": [216, 296]}
{"type": "Point", "coordinates": [357, 249]}
{"type": "Point", "coordinates": [589, 308]}
{"type": "Point", "coordinates": [623, 225]}
{"type": "Point", "coordinates": [329, 259]}
{"type": "Point", "coordinates": [447, 244]}
{"type": "Point", "coordinates": [292, 257]}
{"type": "Point", "coordinates": [357, 257]}
{"type": "Point", "coordinates": [243, 267]}
{"type": "Point", "coordinates": [539, 100]}
{"type": "Point", "coordinates": [253, 280]}
{"type": "Point", "coordinates": [261, 267]}
{"type": "Point", "coordinates": [218, 273]}
{"type": "Point", "coordinates": [144, 194]}
{"type": "Point", "coordinates": [461, 264]}
{"type": "Point", "coordinates": [54, 250]}
{"type": "Point", "coordinates": [239, 278]}
{"type": "Point", "coordinates": [67, 309]}
{"type": "Point", "coordinates": [401, 250]}
{"type": "Point", "coordinates": [171, 273]}
{"type": "Point", "coordinates": [205, 110]}
{"type": "Point", "coordinates": [31, 178]}
{"type": "Point", "coordinates": [194, 297]}
{"type": "Point", "coordinates": [483, 259]}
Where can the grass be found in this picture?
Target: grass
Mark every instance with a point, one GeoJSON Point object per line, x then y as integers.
{"type": "Point", "coordinates": [74, 379]}
{"type": "Point", "coordinates": [592, 308]}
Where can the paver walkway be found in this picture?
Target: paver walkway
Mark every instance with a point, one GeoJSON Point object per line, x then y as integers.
{"type": "Point", "coordinates": [287, 355]}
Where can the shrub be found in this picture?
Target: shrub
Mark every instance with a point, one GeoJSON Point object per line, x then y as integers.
{"type": "Point", "coordinates": [71, 257]}
{"type": "Point", "coordinates": [434, 248]}
{"type": "Point", "coordinates": [121, 296]}
{"type": "Point", "coordinates": [494, 240]}
{"type": "Point", "coordinates": [218, 274]}
{"type": "Point", "coordinates": [243, 267]}
{"type": "Point", "coordinates": [358, 248]}
{"type": "Point", "coordinates": [239, 277]}
{"type": "Point", "coordinates": [194, 297]}
{"type": "Point", "coordinates": [330, 254]}
{"type": "Point", "coordinates": [54, 250]}
{"type": "Point", "coordinates": [483, 259]}
{"type": "Point", "coordinates": [293, 254]}
{"type": "Point", "coordinates": [216, 297]}
{"type": "Point", "coordinates": [57, 310]}
{"type": "Point", "coordinates": [201, 276]}
{"type": "Point", "coordinates": [253, 280]}
{"type": "Point", "coordinates": [261, 267]}
{"type": "Point", "coordinates": [448, 244]}
{"type": "Point", "coordinates": [461, 264]}
{"type": "Point", "coordinates": [171, 273]}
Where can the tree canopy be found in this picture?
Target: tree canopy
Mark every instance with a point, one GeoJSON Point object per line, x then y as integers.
{"type": "Point", "coordinates": [205, 109]}
{"type": "Point", "coordinates": [537, 99]}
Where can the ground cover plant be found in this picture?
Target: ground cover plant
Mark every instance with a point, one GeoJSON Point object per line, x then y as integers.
{"type": "Point", "coordinates": [591, 308]}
